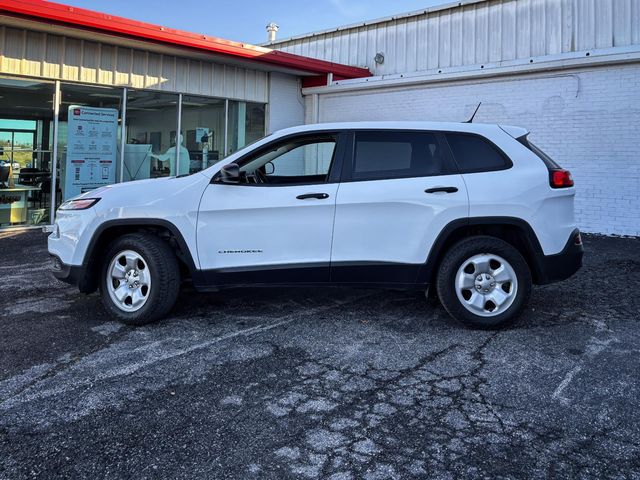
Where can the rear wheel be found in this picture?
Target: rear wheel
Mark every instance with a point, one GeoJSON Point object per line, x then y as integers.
{"type": "Point", "coordinates": [484, 282]}
{"type": "Point", "coordinates": [140, 279]}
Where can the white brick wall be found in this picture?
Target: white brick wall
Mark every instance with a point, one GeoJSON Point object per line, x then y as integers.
{"type": "Point", "coordinates": [588, 120]}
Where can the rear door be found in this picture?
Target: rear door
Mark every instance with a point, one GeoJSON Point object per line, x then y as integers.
{"type": "Point", "coordinates": [398, 191]}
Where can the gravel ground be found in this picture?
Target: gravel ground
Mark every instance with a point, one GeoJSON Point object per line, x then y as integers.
{"type": "Point", "coordinates": [320, 383]}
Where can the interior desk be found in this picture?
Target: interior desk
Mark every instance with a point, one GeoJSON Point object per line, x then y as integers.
{"type": "Point", "coordinates": [13, 203]}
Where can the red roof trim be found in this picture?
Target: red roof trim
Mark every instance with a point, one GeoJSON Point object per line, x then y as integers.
{"type": "Point", "coordinates": [80, 17]}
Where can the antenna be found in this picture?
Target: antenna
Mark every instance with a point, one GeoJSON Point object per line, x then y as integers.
{"type": "Point", "coordinates": [474, 113]}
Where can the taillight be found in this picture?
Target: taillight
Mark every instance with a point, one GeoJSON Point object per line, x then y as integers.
{"type": "Point", "coordinates": [560, 178]}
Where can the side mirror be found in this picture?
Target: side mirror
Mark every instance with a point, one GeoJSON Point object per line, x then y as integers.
{"type": "Point", "coordinates": [269, 168]}
{"type": "Point", "coordinates": [230, 173]}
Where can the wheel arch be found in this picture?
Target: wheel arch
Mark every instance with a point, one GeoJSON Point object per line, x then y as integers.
{"type": "Point", "coordinates": [514, 231]}
{"type": "Point", "coordinates": [88, 280]}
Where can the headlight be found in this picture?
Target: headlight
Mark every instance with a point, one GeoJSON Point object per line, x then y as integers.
{"type": "Point", "coordinates": [79, 204]}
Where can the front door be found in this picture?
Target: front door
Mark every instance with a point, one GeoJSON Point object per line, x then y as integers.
{"type": "Point", "coordinates": [399, 189]}
{"type": "Point", "coordinates": [276, 224]}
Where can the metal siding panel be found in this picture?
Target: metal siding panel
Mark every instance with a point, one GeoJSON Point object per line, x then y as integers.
{"type": "Point", "coordinates": [206, 77]}
{"type": "Point", "coordinates": [634, 18]}
{"type": "Point", "coordinates": [353, 48]}
{"type": "Point", "coordinates": [604, 25]}
{"type": "Point", "coordinates": [622, 23]}
{"type": "Point", "coordinates": [469, 36]}
{"type": "Point", "coordinates": [494, 39]}
{"type": "Point", "coordinates": [90, 62]}
{"type": "Point", "coordinates": [34, 53]}
{"type": "Point", "coordinates": [13, 50]}
{"type": "Point", "coordinates": [344, 45]}
{"type": "Point", "coordinates": [523, 29]}
{"type": "Point", "coordinates": [422, 44]}
{"type": "Point", "coordinates": [537, 37]}
{"type": "Point", "coordinates": [433, 41]}
{"type": "Point", "coordinates": [154, 71]}
{"type": "Point", "coordinates": [72, 59]}
{"type": "Point", "coordinates": [411, 45]}
{"type": "Point", "coordinates": [124, 59]}
{"type": "Point", "coordinates": [585, 24]}
{"type": "Point", "coordinates": [169, 72]}
{"type": "Point", "coordinates": [391, 63]}
{"type": "Point", "coordinates": [107, 64]}
{"type": "Point", "coordinates": [508, 38]}
{"type": "Point", "coordinates": [568, 31]}
{"type": "Point", "coordinates": [402, 45]}
{"type": "Point", "coordinates": [193, 79]}
{"type": "Point", "coordinates": [444, 41]}
{"type": "Point", "coordinates": [381, 46]}
{"type": "Point", "coordinates": [553, 27]}
{"type": "Point", "coordinates": [182, 74]}
{"type": "Point", "coordinates": [138, 69]}
{"type": "Point", "coordinates": [218, 80]}
{"type": "Point", "coordinates": [456, 37]}
{"type": "Point", "coordinates": [371, 49]}
{"type": "Point", "coordinates": [482, 33]}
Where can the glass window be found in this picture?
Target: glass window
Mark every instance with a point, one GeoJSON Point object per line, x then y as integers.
{"type": "Point", "coordinates": [246, 124]}
{"type": "Point", "coordinates": [474, 153]}
{"type": "Point", "coordinates": [297, 161]}
{"type": "Point", "coordinates": [203, 131]}
{"type": "Point", "coordinates": [88, 138]}
{"type": "Point", "coordinates": [382, 155]}
{"type": "Point", "coordinates": [548, 161]}
{"type": "Point", "coordinates": [151, 147]}
{"type": "Point", "coordinates": [26, 114]}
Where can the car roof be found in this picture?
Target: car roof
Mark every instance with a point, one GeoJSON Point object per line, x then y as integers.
{"type": "Point", "coordinates": [480, 128]}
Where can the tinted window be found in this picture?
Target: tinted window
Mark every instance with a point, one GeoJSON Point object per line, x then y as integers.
{"type": "Point", "coordinates": [295, 161]}
{"type": "Point", "coordinates": [379, 155]}
{"type": "Point", "coordinates": [475, 154]}
{"type": "Point", "coordinates": [548, 161]}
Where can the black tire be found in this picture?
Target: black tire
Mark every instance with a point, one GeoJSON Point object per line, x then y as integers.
{"type": "Point", "coordinates": [454, 259]}
{"type": "Point", "coordinates": [165, 278]}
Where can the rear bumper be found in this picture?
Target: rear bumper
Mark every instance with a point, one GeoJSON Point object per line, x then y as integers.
{"type": "Point", "coordinates": [560, 266]}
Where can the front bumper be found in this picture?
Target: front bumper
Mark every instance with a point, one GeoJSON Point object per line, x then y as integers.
{"type": "Point", "coordinates": [70, 274]}
{"type": "Point", "coordinates": [560, 266]}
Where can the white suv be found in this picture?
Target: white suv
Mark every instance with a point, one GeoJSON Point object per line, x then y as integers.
{"type": "Point", "coordinates": [474, 210]}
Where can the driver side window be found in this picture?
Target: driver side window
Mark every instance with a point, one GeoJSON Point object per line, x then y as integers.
{"type": "Point", "coordinates": [296, 161]}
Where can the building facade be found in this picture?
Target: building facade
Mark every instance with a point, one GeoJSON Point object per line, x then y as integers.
{"type": "Point", "coordinates": [568, 70]}
{"type": "Point", "coordinates": [88, 99]}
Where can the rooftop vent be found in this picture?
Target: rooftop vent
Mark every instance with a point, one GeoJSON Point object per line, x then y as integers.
{"type": "Point", "coordinates": [272, 29]}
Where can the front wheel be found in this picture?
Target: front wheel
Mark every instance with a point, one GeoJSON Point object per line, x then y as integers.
{"type": "Point", "coordinates": [484, 282]}
{"type": "Point", "coordinates": [140, 279]}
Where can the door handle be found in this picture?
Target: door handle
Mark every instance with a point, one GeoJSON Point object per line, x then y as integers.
{"type": "Point", "coordinates": [441, 189]}
{"type": "Point", "coordinates": [319, 196]}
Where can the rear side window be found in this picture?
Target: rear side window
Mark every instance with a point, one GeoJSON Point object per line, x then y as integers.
{"type": "Point", "coordinates": [382, 155]}
{"type": "Point", "coordinates": [548, 161]}
{"type": "Point", "coordinates": [474, 153]}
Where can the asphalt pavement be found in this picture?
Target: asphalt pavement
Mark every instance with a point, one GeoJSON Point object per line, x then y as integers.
{"type": "Point", "coordinates": [320, 383]}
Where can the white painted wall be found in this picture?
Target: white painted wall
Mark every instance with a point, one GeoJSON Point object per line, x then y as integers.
{"type": "Point", "coordinates": [286, 105]}
{"type": "Point", "coordinates": [586, 119]}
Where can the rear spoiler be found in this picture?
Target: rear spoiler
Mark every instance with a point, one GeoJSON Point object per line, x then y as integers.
{"type": "Point", "coordinates": [515, 132]}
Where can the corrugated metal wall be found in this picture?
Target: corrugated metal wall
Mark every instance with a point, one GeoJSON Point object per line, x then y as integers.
{"type": "Point", "coordinates": [38, 54]}
{"type": "Point", "coordinates": [482, 32]}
